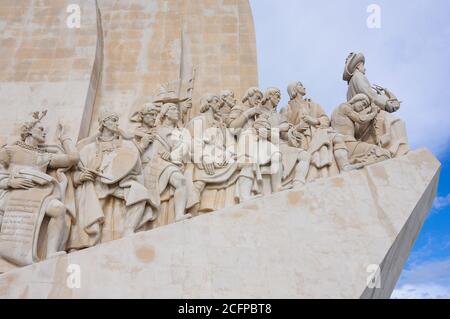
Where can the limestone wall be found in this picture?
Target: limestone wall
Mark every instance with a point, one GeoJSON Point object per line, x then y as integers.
{"type": "Point", "coordinates": [319, 241]}
{"type": "Point", "coordinates": [151, 42]}
{"type": "Point", "coordinates": [44, 64]}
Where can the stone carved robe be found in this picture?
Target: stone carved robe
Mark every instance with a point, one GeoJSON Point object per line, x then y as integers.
{"type": "Point", "coordinates": [318, 140]}
{"type": "Point", "coordinates": [290, 154]}
{"type": "Point", "coordinates": [213, 143]}
{"type": "Point", "coordinates": [50, 184]}
{"type": "Point", "coordinates": [254, 153]}
{"type": "Point", "coordinates": [250, 147]}
{"type": "Point", "coordinates": [157, 171]}
{"type": "Point", "coordinates": [101, 206]}
{"type": "Point", "coordinates": [345, 121]}
{"type": "Point", "coordinates": [389, 129]}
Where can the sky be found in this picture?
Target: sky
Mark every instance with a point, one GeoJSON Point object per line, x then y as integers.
{"type": "Point", "coordinates": [408, 51]}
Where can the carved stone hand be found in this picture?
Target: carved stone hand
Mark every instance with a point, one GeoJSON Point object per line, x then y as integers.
{"type": "Point", "coordinates": [165, 156]}
{"type": "Point", "coordinates": [311, 120]}
{"type": "Point", "coordinates": [87, 177]}
{"type": "Point", "coordinates": [20, 183]}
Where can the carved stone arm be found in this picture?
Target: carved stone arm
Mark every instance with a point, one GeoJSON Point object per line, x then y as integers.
{"type": "Point", "coordinates": [71, 156]}
{"type": "Point", "coordinates": [361, 118]}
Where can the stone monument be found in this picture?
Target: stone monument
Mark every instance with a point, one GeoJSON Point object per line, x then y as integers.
{"type": "Point", "coordinates": [174, 175]}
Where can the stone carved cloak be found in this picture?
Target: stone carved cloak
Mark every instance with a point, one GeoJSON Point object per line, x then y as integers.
{"type": "Point", "coordinates": [101, 207]}
{"type": "Point", "coordinates": [318, 139]}
{"type": "Point", "coordinates": [31, 204]}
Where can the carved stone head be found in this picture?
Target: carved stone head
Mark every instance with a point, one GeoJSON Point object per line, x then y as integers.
{"type": "Point", "coordinates": [272, 96]}
{"type": "Point", "coordinates": [354, 61]}
{"type": "Point", "coordinates": [149, 113]}
{"type": "Point", "coordinates": [170, 111]}
{"type": "Point", "coordinates": [34, 128]}
{"type": "Point", "coordinates": [296, 89]}
{"type": "Point", "coordinates": [210, 101]}
{"type": "Point", "coordinates": [253, 97]}
{"type": "Point", "coordinates": [227, 98]}
{"type": "Point", "coordinates": [108, 120]}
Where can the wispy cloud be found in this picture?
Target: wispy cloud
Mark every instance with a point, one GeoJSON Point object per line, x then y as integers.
{"type": "Point", "coordinates": [441, 202]}
{"type": "Point", "coordinates": [309, 41]}
{"type": "Point", "coordinates": [427, 280]}
{"type": "Point", "coordinates": [424, 291]}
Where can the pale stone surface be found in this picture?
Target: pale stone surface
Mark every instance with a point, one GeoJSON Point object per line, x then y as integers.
{"type": "Point", "coordinates": [47, 65]}
{"type": "Point", "coordinates": [136, 47]}
{"type": "Point", "coordinates": [151, 42]}
{"type": "Point", "coordinates": [311, 242]}
{"type": "Point", "coordinates": [33, 193]}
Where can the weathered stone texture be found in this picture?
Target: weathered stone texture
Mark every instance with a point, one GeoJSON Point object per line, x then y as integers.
{"type": "Point", "coordinates": [312, 242]}
{"type": "Point", "coordinates": [45, 64]}
{"type": "Point", "coordinates": [152, 42]}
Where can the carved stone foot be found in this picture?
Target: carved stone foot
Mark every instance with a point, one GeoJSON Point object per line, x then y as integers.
{"type": "Point", "coordinates": [353, 167]}
{"type": "Point", "coordinates": [184, 217]}
{"type": "Point", "coordinates": [298, 183]}
{"type": "Point", "coordinates": [57, 254]}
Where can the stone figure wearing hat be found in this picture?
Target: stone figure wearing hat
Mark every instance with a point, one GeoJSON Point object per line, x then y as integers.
{"type": "Point", "coordinates": [144, 133]}
{"type": "Point", "coordinates": [168, 95]}
{"type": "Point", "coordinates": [385, 130]}
{"type": "Point", "coordinates": [110, 194]}
{"type": "Point", "coordinates": [34, 190]}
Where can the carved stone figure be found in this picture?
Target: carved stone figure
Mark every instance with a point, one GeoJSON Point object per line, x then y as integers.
{"type": "Point", "coordinates": [295, 160]}
{"type": "Point", "coordinates": [228, 102]}
{"type": "Point", "coordinates": [311, 131]}
{"type": "Point", "coordinates": [110, 194]}
{"type": "Point", "coordinates": [33, 188]}
{"type": "Point", "coordinates": [144, 135]}
{"type": "Point", "coordinates": [168, 94]}
{"type": "Point", "coordinates": [215, 169]}
{"type": "Point", "coordinates": [257, 155]}
{"type": "Point", "coordinates": [389, 132]}
{"type": "Point", "coordinates": [167, 153]}
{"type": "Point", "coordinates": [358, 111]}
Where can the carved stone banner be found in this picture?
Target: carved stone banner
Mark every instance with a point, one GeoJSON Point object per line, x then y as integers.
{"type": "Point", "coordinates": [21, 226]}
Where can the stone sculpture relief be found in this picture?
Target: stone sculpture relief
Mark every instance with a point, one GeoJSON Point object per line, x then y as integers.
{"type": "Point", "coordinates": [33, 191]}
{"type": "Point", "coordinates": [57, 199]}
{"type": "Point", "coordinates": [385, 130]}
{"type": "Point", "coordinates": [110, 196]}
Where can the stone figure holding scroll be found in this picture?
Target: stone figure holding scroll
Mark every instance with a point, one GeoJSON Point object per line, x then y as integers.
{"type": "Point", "coordinates": [33, 189]}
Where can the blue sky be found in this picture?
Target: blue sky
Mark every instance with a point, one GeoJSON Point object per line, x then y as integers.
{"type": "Point", "coordinates": [410, 54]}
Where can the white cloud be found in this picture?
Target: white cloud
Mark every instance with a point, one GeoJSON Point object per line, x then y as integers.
{"type": "Point", "coordinates": [423, 291]}
{"type": "Point", "coordinates": [428, 280]}
{"type": "Point", "coordinates": [309, 41]}
{"type": "Point", "coordinates": [442, 202]}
